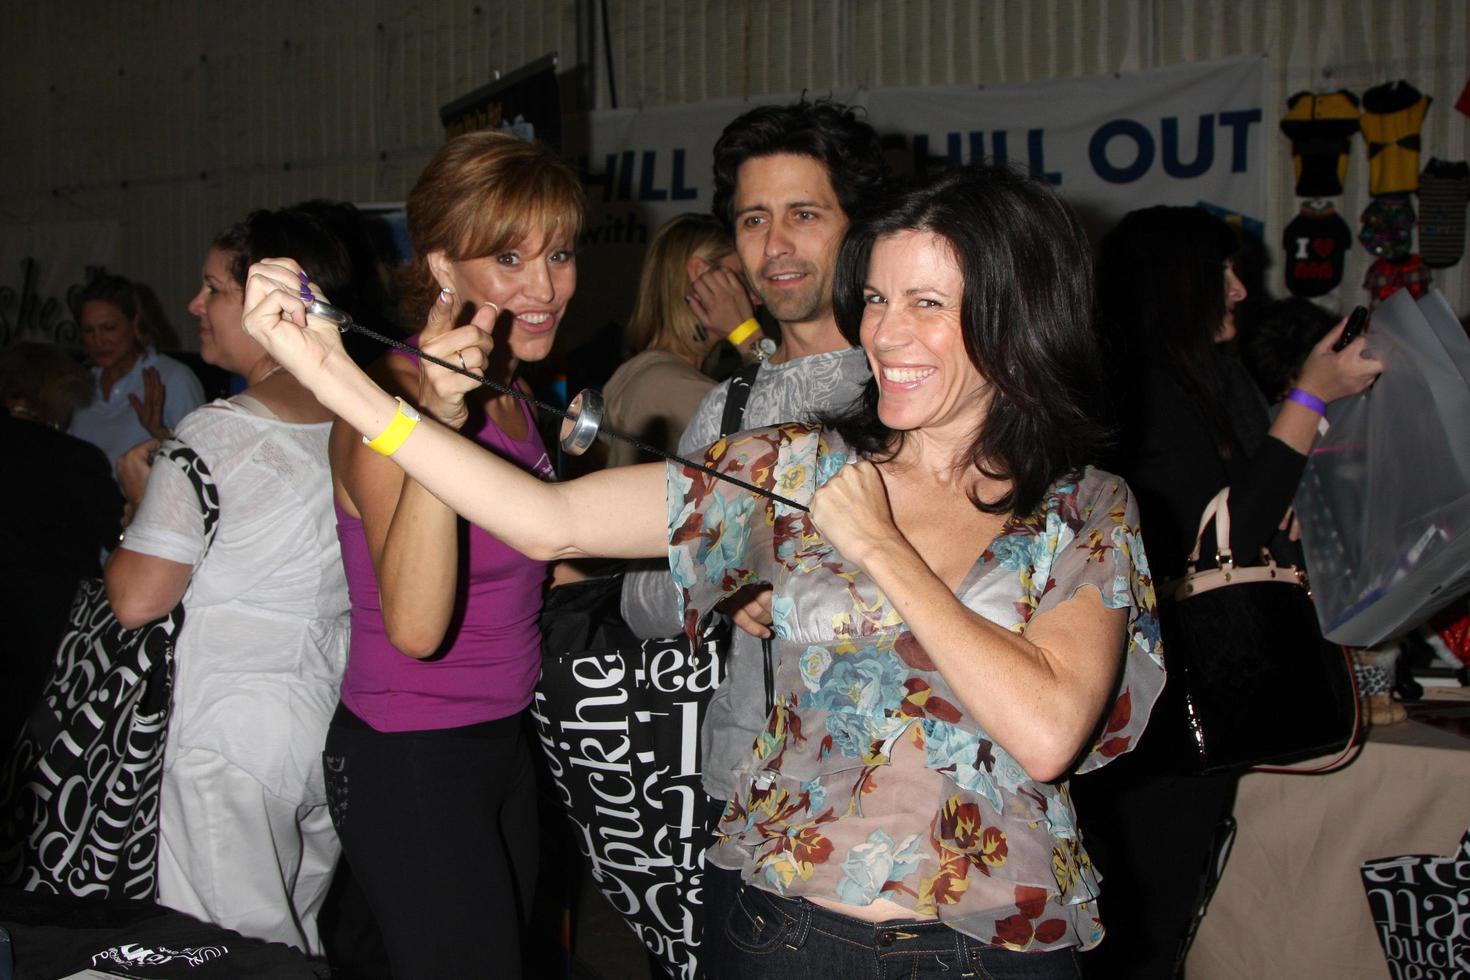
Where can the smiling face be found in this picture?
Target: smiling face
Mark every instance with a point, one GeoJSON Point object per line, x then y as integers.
{"type": "Point", "coordinates": [1234, 293]}
{"type": "Point", "coordinates": [109, 336]}
{"type": "Point", "coordinates": [531, 283]}
{"type": "Point", "coordinates": [914, 339]}
{"type": "Point", "coordinates": [219, 305]}
{"type": "Point", "coordinates": [788, 225]}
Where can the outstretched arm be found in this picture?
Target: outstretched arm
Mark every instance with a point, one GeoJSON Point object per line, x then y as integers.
{"type": "Point", "coordinates": [617, 513]}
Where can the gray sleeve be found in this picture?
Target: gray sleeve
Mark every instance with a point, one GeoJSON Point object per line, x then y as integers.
{"type": "Point", "coordinates": [704, 427]}
{"type": "Point", "coordinates": [650, 602]}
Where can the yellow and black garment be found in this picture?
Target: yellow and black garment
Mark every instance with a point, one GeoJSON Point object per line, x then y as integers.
{"type": "Point", "coordinates": [1392, 116]}
{"type": "Point", "coordinates": [1321, 128]}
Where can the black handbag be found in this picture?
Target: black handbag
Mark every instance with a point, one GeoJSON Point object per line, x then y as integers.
{"type": "Point", "coordinates": [1244, 651]}
{"type": "Point", "coordinates": [82, 784]}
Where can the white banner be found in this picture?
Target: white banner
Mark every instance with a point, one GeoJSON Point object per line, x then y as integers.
{"type": "Point", "coordinates": [1190, 134]}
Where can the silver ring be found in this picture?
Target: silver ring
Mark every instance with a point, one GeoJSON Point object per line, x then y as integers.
{"type": "Point", "coordinates": [462, 365]}
{"type": "Point", "coordinates": [584, 418]}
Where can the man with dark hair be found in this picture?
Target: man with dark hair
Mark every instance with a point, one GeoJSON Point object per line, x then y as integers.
{"type": "Point", "coordinates": [788, 179]}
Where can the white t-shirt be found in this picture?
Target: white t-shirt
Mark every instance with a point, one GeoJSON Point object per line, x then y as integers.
{"type": "Point", "coordinates": [265, 636]}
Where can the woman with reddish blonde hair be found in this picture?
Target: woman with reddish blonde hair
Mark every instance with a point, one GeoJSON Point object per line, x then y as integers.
{"type": "Point", "coordinates": [428, 775]}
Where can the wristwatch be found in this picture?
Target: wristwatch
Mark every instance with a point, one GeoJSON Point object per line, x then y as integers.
{"type": "Point", "coordinates": [762, 349]}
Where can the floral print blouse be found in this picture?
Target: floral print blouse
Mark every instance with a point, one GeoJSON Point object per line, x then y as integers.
{"type": "Point", "coordinates": [870, 779]}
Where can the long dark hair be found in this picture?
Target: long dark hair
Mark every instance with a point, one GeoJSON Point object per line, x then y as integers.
{"type": "Point", "coordinates": [1026, 317]}
{"type": "Point", "coordinates": [1161, 300]}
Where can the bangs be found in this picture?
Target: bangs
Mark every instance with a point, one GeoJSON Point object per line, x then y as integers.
{"type": "Point", "coordinates": [522, 204]}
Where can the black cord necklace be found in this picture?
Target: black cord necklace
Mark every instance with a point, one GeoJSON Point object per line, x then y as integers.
{"type": "Point", "coordinates": [585, 415]}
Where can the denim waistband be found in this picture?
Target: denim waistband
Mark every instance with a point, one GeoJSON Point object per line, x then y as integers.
{"type": "Point", "coordinates": [769, 935]}
{"type": "Point", "coordinates": [895, 935]}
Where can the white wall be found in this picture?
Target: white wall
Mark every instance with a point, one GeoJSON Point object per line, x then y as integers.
{"type": "Point", "coordinates": [155, 123]}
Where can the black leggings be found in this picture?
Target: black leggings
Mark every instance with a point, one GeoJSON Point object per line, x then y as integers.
{"type": "Point", "coordinates": [440, 830]}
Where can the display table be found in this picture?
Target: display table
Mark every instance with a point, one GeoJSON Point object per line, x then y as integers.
{"type": "Point", "coordinates": [1291, 903]}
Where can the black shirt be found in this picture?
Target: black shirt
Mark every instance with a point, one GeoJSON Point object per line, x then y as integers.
{"type": "Point", "coordinates": [59, 507]}
{"type": "Point", "coordinates": [1169, 458]}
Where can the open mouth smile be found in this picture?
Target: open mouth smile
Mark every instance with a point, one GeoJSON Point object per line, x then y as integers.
{"type": "Point", "coordinates": [906, 376]}
{"type": "Point", "coordinates": [538, 322]}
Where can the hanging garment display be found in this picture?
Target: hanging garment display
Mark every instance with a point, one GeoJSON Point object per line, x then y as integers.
{"type": "Point", "coordinates": [1315, 242]}
{"type": "Point", "coordinates": [1387, 227]}
{"type": "Point", "coordinates": [1321, 129]}
{"type": "Point", "coordinates": [1392, 116]}
{"type": "Point", "coordinates": [1444, 188]}
{"type": "Point", "coordinates": [1386, 277]}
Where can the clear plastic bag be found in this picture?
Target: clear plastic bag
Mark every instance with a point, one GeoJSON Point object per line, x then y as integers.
{"type": "Point", "coordinates": [1385, 500]}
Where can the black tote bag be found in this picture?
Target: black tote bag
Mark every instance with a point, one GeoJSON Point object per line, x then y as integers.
{"type": "Point", "coordinates": [1259, 684]}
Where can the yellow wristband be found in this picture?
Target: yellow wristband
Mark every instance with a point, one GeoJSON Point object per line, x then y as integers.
{"type": "Point", "coordinates": [741, 333]}
{"type": "Point", "coordinates": [390, 439]}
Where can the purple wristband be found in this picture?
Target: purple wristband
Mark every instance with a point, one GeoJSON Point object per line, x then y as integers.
{"type": "Point", "coordinates": [1307, 400]}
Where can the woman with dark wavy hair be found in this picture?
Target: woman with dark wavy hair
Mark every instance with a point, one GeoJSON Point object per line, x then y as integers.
{"type": "Point", "coordinates": [1190, 422]}
{"type": "Point", "coordinates": [951, 616]}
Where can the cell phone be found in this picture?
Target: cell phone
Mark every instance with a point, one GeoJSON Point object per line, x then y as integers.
{"type": "Point", "coordinates": [1357, 323]}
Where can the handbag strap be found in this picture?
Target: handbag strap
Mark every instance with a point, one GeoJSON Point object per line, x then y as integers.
{"type": "Point", "coordinates": [733, 421]}
{"type": "Point", "coordinates": [1217, 510]}
{"type": "Point", "coordinates": [735, 397]}
{"type": "Point", "coordinates": [197, 472]}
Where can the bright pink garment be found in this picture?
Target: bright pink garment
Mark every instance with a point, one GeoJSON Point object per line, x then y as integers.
{"type": "Point", "coordinates": [492, 653]}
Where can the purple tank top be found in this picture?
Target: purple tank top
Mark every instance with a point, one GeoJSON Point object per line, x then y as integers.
{"type": "Point", "coordinates": [492, 653]}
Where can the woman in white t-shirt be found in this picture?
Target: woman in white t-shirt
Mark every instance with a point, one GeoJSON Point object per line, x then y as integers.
{"type": "Point", "coordinates": [245, 837]}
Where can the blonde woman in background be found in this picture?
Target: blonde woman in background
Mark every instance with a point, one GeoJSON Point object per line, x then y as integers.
{"type": "Point", "coordinates": [138, 393]}
{"type": "Point", "coordinates": [690, 297]}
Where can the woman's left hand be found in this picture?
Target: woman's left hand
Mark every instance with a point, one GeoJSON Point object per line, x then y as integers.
{"type": "Point", "coordinates": [150, 409]}
{"type": "Point", "coordinates": [133, 467]}
{"type": "Point", "coordinates": [852, 512]}
{"type": "Point", "coordinates": [441, 392]}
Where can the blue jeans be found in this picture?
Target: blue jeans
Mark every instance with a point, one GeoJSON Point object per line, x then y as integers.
{"type": "Point", "coordinates": [766, 935]}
